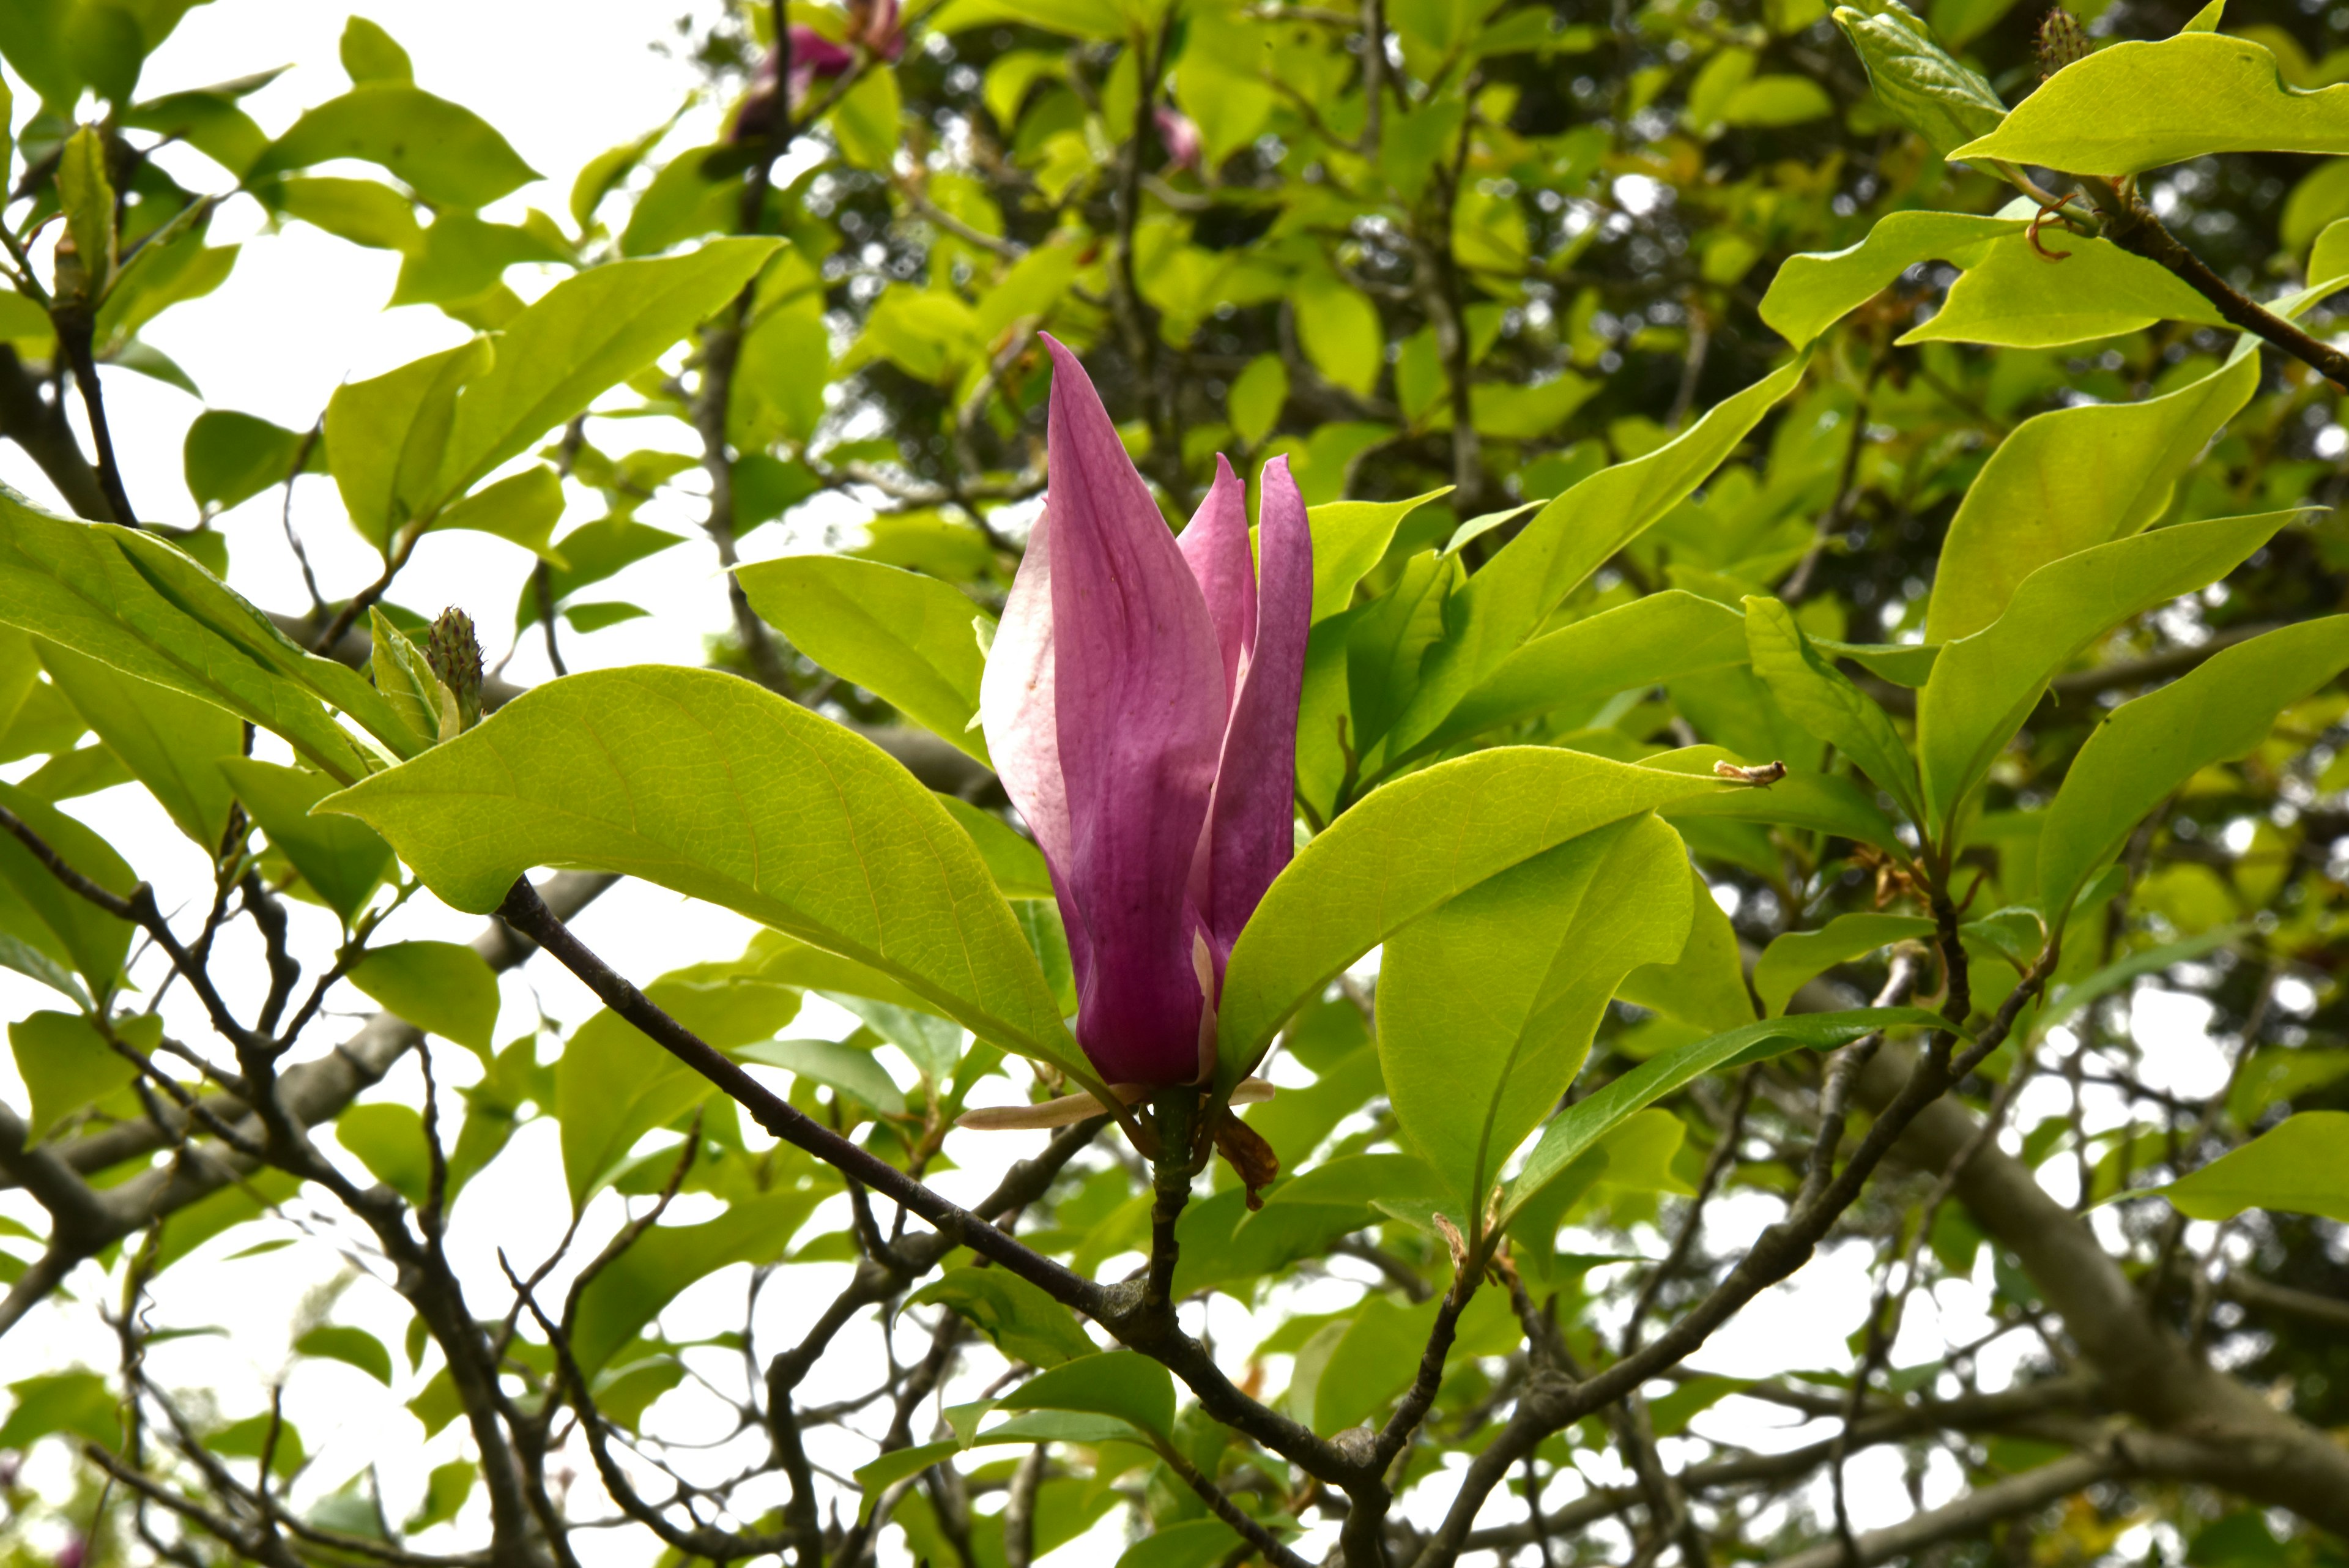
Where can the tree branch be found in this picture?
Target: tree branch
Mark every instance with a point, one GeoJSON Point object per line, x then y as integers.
{"type": "Point", "coordinates": [1977, 1508]}
{"type": "Point", "coordinates": [1122, 1309]}
{"type": "Point", "coordinates": [2132, 226]}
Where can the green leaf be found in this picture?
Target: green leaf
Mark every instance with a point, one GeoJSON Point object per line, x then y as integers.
{"type": "Point", "coordinates": [404, 675]}
{"type": "Point", "coordinates": [1581, 1124]}
{"type": "Point", "coordinates": [68, 775]}
{"type": "Point", "coordinates": [1338, 329]}
{"type": "Point", "coordinates": [1820, 698]}
{"type": "Point", "coordinates": [1983, 686]}
{"type": "Point", "coordinates": [612, 1085]}
{"type": "Point", "coordinates": [866, 120]}
{"type": "Point", "coordinates": [1822, 803]}
{"type": "Point", "coordinates": [2014, 298]}
{"type": "Point", "coordinates": [1654, 639]}
{"type": "Point", "coordinates": [460, 257]}
{"type": "Point", "coordinates": [1507, 600]}
{"type": "Point", "coordinates": [1540, 949]}
{"type": "Point", "coordinates": [522, 509]}
{"type": "Point", "coordinates": [364, 212]}
{"type": "Point", "coordinates": [445, 1492]}
{"type": "Point", "coordinates": [20, 318]}
{"type": "Point", "coordinates": [1015, 862]}
{"type": "Point", "coordinates": [386, 436]}
{"type": "Point", "coordinates": [229, 458]}
{"type": "Point", "coordinates": [1352, 1183]}
{"type": "Point", "coordinates": [352, 1346]}
{"type": "Point", "coordinates": [1792, 960]}
{"type": "Point", "coordinates": [932, 1045]}
{"type": "Point", "coordinates": [712, 787]}
{"type": "Point", "coordinates": [1103, 19]}
{"type": "Point", "coordinates": [623, 1393]}
{"type": "Point", "coordinates": [443, 988]}
{"type": "Point", "coordinates": [370, 54]}
{"type": "Point", "coordinates": [2136, 105]}
{"type": "Point", "coordinates": [388, 1140]}
{"type": "Point", "coordinates": [67, 1067]}
{"type": "Point", "coordinates": [2148, 748]}
{"type": "Point", "coordinates": [343, 861]}
{"type": "Point", "coordinates": [244, 1441]}
{"type": "Point", "coordinates": [1811, 292]}
{"type": "Point", "coordinates": [875, 1476]}
{"type": "Point", "coordinates": [1258, 395]}
{"type": "Point", "coordinates": [2069, 999]}
{"type": "Point", "coordinates": [2277, 1074]}
{"type": "Point", "coordinates": [130, 599]}
{"type": "Point", "coordinates": [1350, 537]}
{"type": "Point", "coordinates": [449, 155]}
{"type": "Point", "coordinates": [683, 199]}
{"type": "Point", "coordinates": [170, 742]}
{"type": "Point", "coordinates": [205, 118]}
{"type": "Point", "coordinates": [27, 960]}
{"type": "Point", "coordinates": [1221, 83]}
{"type": "Point", "coordinates": [62, 1402]}
{"type": "Point", "coordinates": [836, 1064]}
{"type": "Point", "coordinates": [1025, 1324]}
{"type": "Point", "coordinates": [595, 551]}
{"type": "Point", "coordinates": [787, 961]}
{"type": "Point", "coordinates": [619, 1303]}
{"type": "Point", "coordinates": [583, 337]}
{"type": "Point", "coordinates": [60, 925]}
{"type": "Point", "coordinates": [1670, 1415]}
{"type": "Point", "coordinates": [1389, 640]}
{"type": "Point", "coordinates": [87, 197]}
{"type": "Point", "coordinates": [1132, 1387]}
{"type": "Point", "coordinates": [2294, 1167]}
{"type": "Point", "coordinates": [1776, 100]}
{"type": "Point", "coordinates": [1706, 985]}
{"type": "Point", "coordinates": [1193, 1543]}
{"type": "Point", "coordinates": [1300, 1120]}
{"type": "Point", "coordinates": [2069, 479]}
{"type": "Point", "coordinates": [1409, 847]}
{"type": "Point", "coordinates": [1916, 79]}
{"type": "Point", "coordinates": [910, 639]}
{"type": "Point", "coordinates": [1371, 1363]}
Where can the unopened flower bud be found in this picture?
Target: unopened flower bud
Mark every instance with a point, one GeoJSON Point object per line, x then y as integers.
{"type": "Point", "coordinates": [69, 280]}
{"type": "Point", "coordinates": [455, 655]}
{"type": "Point", "coordinates": [2062, 40]}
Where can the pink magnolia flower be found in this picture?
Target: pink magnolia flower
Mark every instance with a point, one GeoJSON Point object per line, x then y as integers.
{"type": "Point", "coordinates": [1179, 136]}
{"type": "Point", "coordinates": [872, 26]}
{"type": "Point", "coordinates": [1140, 706]}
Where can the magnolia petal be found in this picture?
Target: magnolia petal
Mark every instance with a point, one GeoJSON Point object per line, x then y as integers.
{"type": "Point", "coordinates": [1017, 712]}
{"type": "Point", "coordinates": [1072, 1108]}
{"type": "Point", "coordinates": [1251, 831]}
{"type": "Point", "coordinates": [1139, 707]}
{"type": "Point", "coordinates": [1203, 966]}
{"type": "Point", "coordinates": [1055, 1113]}
{"type": "Point", "coordinates": [1216, 545]}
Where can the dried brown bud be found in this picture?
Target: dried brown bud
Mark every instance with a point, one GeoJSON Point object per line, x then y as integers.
{"type": "Point", "coordinates": [2062, 40]}
{"type": "Point", "coordinates": [455, 655]}
{"type": "Point", "coordinates": [1760, 777]}
{"type": "Point", "coordinates": [1249, 1155]}
{"type": "Point", "coordinates": [69, 277]}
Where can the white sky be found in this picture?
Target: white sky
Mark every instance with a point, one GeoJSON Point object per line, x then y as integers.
{"type": "Point", "coordinates": [301, 314]}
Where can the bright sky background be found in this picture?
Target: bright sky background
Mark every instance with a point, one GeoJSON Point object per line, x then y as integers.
{"type": "Point", "coordinates": [563, 79]}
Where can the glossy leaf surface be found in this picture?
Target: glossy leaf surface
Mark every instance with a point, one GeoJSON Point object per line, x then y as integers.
{"type": "Point", "coordinates": [705, 784]}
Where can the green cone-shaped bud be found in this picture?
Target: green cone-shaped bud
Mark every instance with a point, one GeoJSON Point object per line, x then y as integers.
{"type": "Point", "coordinates": [2062, 40]}
{"type": "Point", "coordinates": [455, 655]}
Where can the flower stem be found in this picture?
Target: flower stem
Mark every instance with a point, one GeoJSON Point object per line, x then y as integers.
{"type": "Point", "coordinates": [1176, 1112]}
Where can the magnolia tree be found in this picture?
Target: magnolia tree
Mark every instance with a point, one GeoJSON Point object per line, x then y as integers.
{"type": "Point", "coordinates": [1445, 746]}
